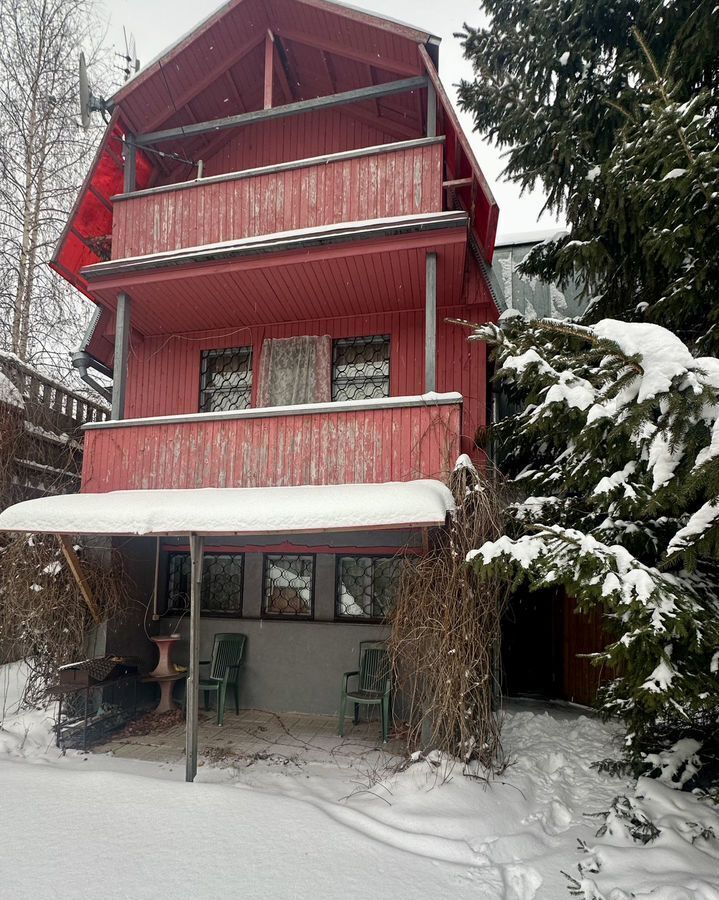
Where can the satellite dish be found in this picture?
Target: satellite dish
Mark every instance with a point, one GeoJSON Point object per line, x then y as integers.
{"type": "Point", "coordinates": [84, 94]}
{"type": "Point", "coordinates": [89, 103]}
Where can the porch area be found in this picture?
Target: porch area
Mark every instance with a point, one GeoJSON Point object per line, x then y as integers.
{"type": "Point", "coordinates": [290, 740]}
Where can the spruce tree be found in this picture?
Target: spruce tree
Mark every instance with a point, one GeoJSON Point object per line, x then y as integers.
{"type": "Point", "coordinates": [612, 108]}
{"type": "Point", "coordinates": [614, 455]}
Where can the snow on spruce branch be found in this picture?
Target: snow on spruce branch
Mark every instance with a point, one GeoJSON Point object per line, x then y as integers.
{"type": "Point", "coordinates": [611, 445]}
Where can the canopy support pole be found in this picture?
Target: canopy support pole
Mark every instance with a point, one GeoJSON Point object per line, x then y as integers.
{"type": "Point", "coordinates": [430, 326]}
{"type": "Point", "coordinates": [193, 675]}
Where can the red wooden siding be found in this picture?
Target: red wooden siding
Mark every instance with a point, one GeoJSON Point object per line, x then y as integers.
{"type": "Point", "coordinates": [394, 183]}
{"type": "Point", "coordinates": [164, 371]}
{"type": "Point", "coordinates": [365, 446]}
{"type": "Point", "coordinates": [582, 634]}
{"type": "Point", "coordinates": [299, 137]}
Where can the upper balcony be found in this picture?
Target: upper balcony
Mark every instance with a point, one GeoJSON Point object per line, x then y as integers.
{"type": "Point", "coordinates": [386, 181]}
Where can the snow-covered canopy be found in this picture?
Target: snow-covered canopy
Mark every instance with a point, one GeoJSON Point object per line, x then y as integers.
{"type": "Point", "coordinates": [269, 510]}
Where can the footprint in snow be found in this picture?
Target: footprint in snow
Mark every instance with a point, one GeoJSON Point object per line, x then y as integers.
{"type": "Point", "coordinates": [521, 882]}
{"type": "Point", "coordinates": [553, 763]}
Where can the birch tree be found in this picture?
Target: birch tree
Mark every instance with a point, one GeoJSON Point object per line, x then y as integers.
{"type": "Point", "coordinates": [44, 154]}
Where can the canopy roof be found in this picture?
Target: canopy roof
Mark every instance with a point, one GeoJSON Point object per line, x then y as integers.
{"type": "Point", "coordinates": [237, 511]}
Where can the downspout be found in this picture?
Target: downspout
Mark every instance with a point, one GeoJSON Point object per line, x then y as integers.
{"type": "Point", "coordinates": [82, 361]}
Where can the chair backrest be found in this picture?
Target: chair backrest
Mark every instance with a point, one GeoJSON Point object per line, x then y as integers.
{"type": "Point", "coordinates": [227, 651]}
{"type": "Point", "coordinates": [374, 666]}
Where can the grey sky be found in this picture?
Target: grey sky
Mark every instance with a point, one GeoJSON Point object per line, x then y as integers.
{"type": "Point", "coordinates": [157, 23]}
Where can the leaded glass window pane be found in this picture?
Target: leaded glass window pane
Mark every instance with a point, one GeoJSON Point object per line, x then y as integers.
{"type": "Point", "coordinates": [360, 368]}
{"type": "Point", "coordinates": [367, 586]}
{"type": "Point", "coordinates": [226, 379]}
{"type": "Point", "coordinates": [289, 583]}
{"type": "Point", "coordinates": [221, 583]}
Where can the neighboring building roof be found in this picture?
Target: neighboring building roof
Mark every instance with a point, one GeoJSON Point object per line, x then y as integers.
{"type": "Point", "coordinates": [235, 511]}
{"type": "Point", "coordinates": [529, 237]}
{"type": "Point", "coordinates": [532, 297]}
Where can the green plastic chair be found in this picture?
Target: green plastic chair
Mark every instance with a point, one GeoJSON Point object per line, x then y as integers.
{"type": "Point", "coordinates": [227, 652]}
{"type": "Point", "coordinates": [373, 687]}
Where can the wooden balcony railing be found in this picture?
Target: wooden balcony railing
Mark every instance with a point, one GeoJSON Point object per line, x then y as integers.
{"type": "Point", "coordinates": [369, 441]}
{"type": "Point", "coordinates": [358, 185]}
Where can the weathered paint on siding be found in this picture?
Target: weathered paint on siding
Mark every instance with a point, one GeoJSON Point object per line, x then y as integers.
{"type": "Point", "coordinates": [395, 183]}
{"type": "Point", "coordinates": [362, 446]}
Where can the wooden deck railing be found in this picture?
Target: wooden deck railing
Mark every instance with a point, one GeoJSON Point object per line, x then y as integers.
{"type": "Point", "coordinates": [358, 185]}
{"type": "Point", "coordinates": [397, 439]}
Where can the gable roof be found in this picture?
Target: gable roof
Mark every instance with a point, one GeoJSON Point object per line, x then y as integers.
{"type": "Point", "coordinates": [324, 48]}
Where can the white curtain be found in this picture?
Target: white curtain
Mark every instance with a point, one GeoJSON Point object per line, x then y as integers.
{"type": "Point", "coordinates": [296, 370]}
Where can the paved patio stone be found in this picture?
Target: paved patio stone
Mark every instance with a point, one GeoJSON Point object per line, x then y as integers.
{"type": "Point", "coordinates": [262, 733]}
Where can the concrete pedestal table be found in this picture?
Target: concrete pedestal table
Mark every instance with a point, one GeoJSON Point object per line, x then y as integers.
{"type": "Point", "coordinates": [166, 683]}
{"type": "Point", "coordinates": [164, 666]}
{"type": "Point", "coordinates": [164, 674]}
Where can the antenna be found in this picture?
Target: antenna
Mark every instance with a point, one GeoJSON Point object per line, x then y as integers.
{"type": "Point", "coordinates": [89, 103]}
{"type": "Point", "coordinates": [129, 57]}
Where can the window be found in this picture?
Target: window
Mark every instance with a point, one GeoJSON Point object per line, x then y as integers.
{"type": "Point", "coordinates": [221, 583]}
{"type": "Point", "coordinates": [288, 586]}
{"type": "Point", "coordinates": [360, 368]}
{"type": "Point", "coordinates": [367, 586]}
{"type": "Point", "coordinates": [226, 379]}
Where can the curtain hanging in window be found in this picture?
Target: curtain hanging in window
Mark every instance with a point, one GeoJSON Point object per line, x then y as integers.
{"type": "Point", "coordinates": [295, 370]}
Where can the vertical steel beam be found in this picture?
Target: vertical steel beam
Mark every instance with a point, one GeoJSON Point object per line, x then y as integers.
{"type": "Point", "coordinates": [130, 166]}
{"type": "Point", "coordinates": [430, 325]}
{"type": "Point", "coordinates": [122, 346]}
{"type": "Point", "coordinates": [193, 675]}
{"type": "Point", "coordinates": [431, 110]}
{"type": "Point", "coordinates": [269, 67]}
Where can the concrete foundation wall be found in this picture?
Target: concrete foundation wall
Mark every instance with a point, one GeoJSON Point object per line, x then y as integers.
{"type": "Point", "coordinates": [290, 665]}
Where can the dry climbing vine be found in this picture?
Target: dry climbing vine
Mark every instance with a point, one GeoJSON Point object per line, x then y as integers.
{"type": "Point", "coordinates": [445, 635]}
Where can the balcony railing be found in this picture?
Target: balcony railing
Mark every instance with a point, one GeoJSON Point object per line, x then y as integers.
{"type": "Point", "coordinates": [366, 441]}
{"type": "Point", "coordinates": [371, 183]}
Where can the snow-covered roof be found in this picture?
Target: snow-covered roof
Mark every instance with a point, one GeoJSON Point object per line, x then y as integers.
{"type": "Point", "coordinates": [529, 237]}
{"type": "Point", "coordinates": [214, 511]}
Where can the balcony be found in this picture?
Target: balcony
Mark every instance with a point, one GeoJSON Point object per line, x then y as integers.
{"type": "Point", "coordinates": [401, 179]}
{"type": "Point", "coordinates": [367, 441]}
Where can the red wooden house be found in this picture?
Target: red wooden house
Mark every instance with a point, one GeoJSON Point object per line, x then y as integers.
{"type": "Point", "coordinates": [282, 213]}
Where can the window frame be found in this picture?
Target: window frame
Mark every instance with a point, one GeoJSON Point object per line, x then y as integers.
{"type": "Point", "coordinates": [204, 612]}
{"type": "Point", "coordinates": [356, 339]}
{"type": "Point", "coordinates": [360, 620]}
{"type": "Point", "coordinates": [284, 617]}
{"type": "Point", "coordinates": [209, 353]}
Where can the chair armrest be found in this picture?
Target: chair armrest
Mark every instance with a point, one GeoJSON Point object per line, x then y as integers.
{"type": "Point", "coordinates": [346, 677]}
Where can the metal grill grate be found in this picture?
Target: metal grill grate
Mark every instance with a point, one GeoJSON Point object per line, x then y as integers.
{"type": "Point", "coordinates": [360, 368]}
{"type": "Point", "coordinates": [289, 585]}
{"type": "Point", "coordinates": [221, 583]}
{"type": "Point", "coordinates": [226, 379]}
{"type": "Point", "coordinates": [367, 586]}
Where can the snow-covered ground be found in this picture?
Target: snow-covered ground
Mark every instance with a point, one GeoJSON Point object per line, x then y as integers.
{"type": "Point", "coordinates": [86, 826]}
